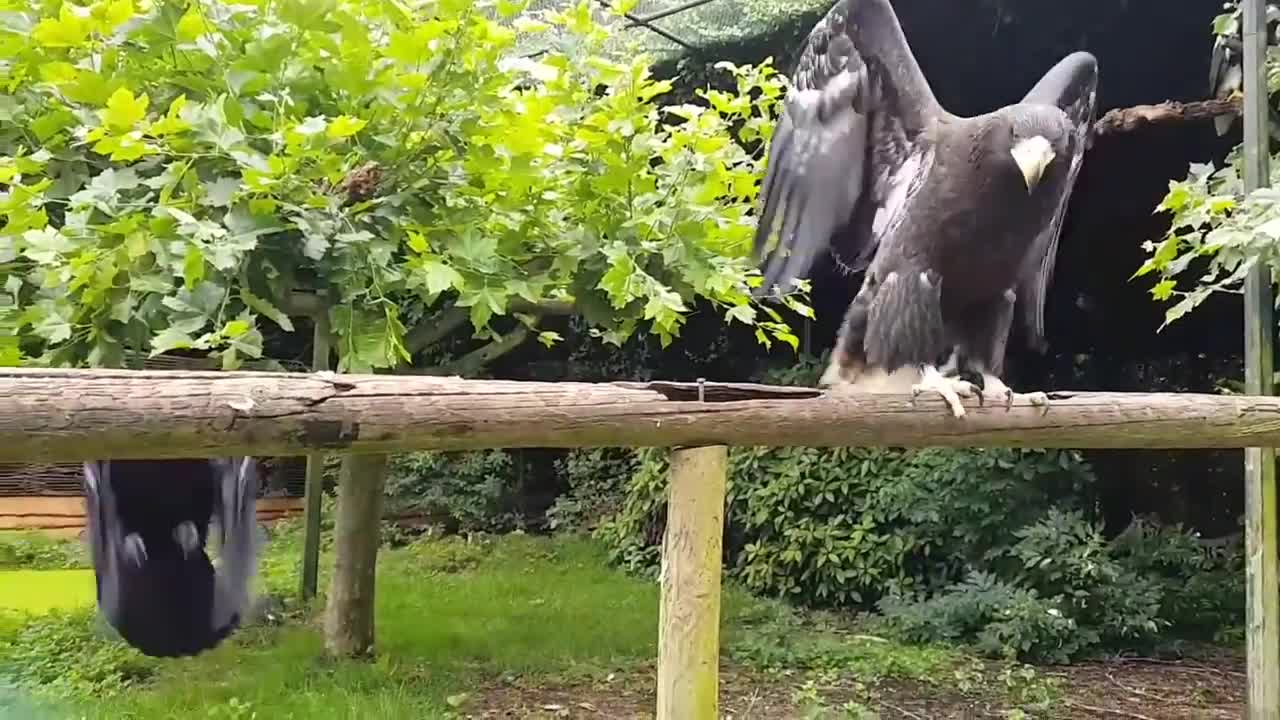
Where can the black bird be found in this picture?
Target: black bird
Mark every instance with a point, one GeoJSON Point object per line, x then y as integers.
{"type": "Point", "coordinates": [148, 521]}
{"type": "Point", "coordinates": [954, 219]}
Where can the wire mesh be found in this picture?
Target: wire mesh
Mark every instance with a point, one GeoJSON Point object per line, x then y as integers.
{"type": "Point", "coordinates": [666, 28]}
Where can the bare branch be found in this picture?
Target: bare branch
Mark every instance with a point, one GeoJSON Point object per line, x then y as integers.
{"type": "Point", "coordinates": [1121, 120]}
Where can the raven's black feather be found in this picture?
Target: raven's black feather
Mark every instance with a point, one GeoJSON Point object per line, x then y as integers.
{"type": "Point", "coordinates": [148, 525]}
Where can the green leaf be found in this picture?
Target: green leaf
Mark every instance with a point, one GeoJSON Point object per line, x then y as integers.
{"type": "Point", "coordinates": [344, 126]}
{"type": "Point", "coordinates": [1163, 289]}
{"type": "Point", "coordinates": [124, 111]}
{"type": "Point", "coordinates": [261, 305]}
{"type": "Point", "coordinates": [439, 277]}
{"type": "Point", "coordinates": [193, 266]}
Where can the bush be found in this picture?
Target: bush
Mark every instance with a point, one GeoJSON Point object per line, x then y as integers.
{"type": "Point", "coordinates": [37, 551]}
{"type": "Point", "coordinates": [597, 485]}
{"type": "Point", "coordinates": [70, 654]}
{"type": "Point", "coordinates": [997, 617]}
{"type": "Point", "coordinates": [844, 526]}
{"type": "Point", "coordinates": [464, 491]}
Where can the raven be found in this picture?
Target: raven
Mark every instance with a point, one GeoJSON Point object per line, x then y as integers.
{"type": "Point", "coordinates": [148, 522]}
{"type": "Point", "coordinates": [954, 219]}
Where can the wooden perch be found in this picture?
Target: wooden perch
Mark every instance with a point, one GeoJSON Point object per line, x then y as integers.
{"type": "Point", "coordinates": [73, 415]}
{"type": "Point", "coordinates": [1119, 120]}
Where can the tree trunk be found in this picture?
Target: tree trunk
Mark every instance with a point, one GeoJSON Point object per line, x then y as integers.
{"type": "Point", "coordinates": [348, 621]}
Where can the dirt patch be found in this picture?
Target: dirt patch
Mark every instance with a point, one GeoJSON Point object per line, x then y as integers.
{"type": "Point", "coordinates": [1133, 688]}
{"type": "Point", "coordinates": [1143, 688]}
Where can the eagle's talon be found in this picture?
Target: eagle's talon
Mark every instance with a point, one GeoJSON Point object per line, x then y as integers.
{"type": "Point", "coordinates": [951, 389]}
{"type": "Point", "coordinates": [1040, 400]}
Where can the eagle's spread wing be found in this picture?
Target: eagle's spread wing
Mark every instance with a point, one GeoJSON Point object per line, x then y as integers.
{"type": "Point", "coordinates": [858, 100]}
{"type": "Point", "coordinates": [1071, 85]}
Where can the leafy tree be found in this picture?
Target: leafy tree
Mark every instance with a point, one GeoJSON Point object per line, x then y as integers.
{"type": "Point", "coordinates": [1218, 232]}
{"type": "Point", "coordinates": [177, 170]}
{"type": "Point", "coordinates": [182, 174]}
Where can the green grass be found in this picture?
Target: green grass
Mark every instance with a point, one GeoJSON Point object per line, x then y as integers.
{"type": "Point", "coordinates": [39, 591]}
{"type": "Point", "coordinates": [450, 615]}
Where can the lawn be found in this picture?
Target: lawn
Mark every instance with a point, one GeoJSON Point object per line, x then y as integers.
{"type": "Point", "coordinates": [38, 591]}
{"type": "Point", "coordinates": [520, 626]}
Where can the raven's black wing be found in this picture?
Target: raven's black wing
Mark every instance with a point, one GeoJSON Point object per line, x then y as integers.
{"type": "Point", "coordinates": [1072, 86]}
{"type": "Point", "coordinates": [106, 539]}
{"type": "Point", "coordinates": [235, 510]}
{"type": "Point", "coordinates": [150, 594]}
{"type": "Point", "coordinates": [857, 103]}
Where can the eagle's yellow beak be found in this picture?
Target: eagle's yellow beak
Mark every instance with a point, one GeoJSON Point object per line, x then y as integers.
{"type": "Point", "coordinates": [1033, 155]}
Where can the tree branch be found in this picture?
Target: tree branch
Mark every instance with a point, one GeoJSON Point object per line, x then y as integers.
{"type": "Point", "coordinates": [437, 327]}
{"type": "Point", "coordinates": [1122, 120]}
{"type": "Point", "coordinates": [475, 361]}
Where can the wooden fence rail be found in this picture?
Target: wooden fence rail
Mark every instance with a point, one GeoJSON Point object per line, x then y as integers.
{"type": "Point", "coordinates": [72, 415]}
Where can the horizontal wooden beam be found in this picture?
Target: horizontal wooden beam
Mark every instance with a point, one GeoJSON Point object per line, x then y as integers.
{"type": "Point", "coordinates": [73, 415]}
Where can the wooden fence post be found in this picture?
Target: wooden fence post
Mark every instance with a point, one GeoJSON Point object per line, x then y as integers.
{"type": "Point", "coordinates": [1262, 610]}
{"type": "Point", "coordinates": [689, 615]}
{"type": "Point", "coordinates": [315, 473]}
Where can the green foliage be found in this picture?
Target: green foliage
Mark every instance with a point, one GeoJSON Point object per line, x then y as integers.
{"type": "Point", "coordinates": [1217, 231]}
{"type": "Point", "coordinates": [1071, 592]}
{"type": "Point", "coordinates": [597, 484]}
{"type": "Point", "coordinates": [1202, 592]}
{"type": "Point", "coordinates": [63, 653]}
{"type": "Point", "coordinates": [465, 491]}
{"type": "Point", "coordinates": [175, 169]}
{"type": "Point", "coordinates": [38, 551]}
{"type": "Point", "coordinates": [844, 526]}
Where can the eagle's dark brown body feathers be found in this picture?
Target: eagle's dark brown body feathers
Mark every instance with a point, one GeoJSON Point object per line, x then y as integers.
{"type": "Point", "coordinates": [955, 220]}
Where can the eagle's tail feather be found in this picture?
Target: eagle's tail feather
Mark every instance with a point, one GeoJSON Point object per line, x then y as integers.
{"type": "Point", "coordinates": [905, 324]}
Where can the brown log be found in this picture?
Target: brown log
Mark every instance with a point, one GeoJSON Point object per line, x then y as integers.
{"type": "Point", "coordinates": [1119, 120]}
{"type": "Point", "coordinates": [74, 415]}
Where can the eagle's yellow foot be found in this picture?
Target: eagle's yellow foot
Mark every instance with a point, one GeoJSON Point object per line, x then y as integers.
{"type": "Point", "coordinates": [951, 389]}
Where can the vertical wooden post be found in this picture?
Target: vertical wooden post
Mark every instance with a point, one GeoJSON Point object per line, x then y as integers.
{"type": "Point", "coordinates": [689, 615]}
{"type": "Point", "coordinates": [1263, 590]}
{"type": "Point", "coordinates": [348, 616]}
{"type": "Point", "coordinates": [315, 473]}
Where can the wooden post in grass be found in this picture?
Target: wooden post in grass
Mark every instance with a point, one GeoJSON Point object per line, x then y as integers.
{"type": "Point", "coordinates": [689, 615]}
{"type": "Point", "coordinates": [315, 472]}
{"type": "Point", "coordinates": [1262, 605]}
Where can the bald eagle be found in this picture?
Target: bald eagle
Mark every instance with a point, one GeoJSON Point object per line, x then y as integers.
{"type": "Point", "coordinates": [148, 521]}
{"type": "Point", "coordinates": [955, 220]}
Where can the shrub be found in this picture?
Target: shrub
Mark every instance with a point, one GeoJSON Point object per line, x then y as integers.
{"type": "Point", "coordinates": [597, 484]}
{"type": "Point", "coordinates": [844, 526]}
{"type": "Point", "coordinates": [37, 551]}
{"type": "Point", "coordinates": [70, 653]}
{"type": "Point", "coordinates": [465, 491]}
